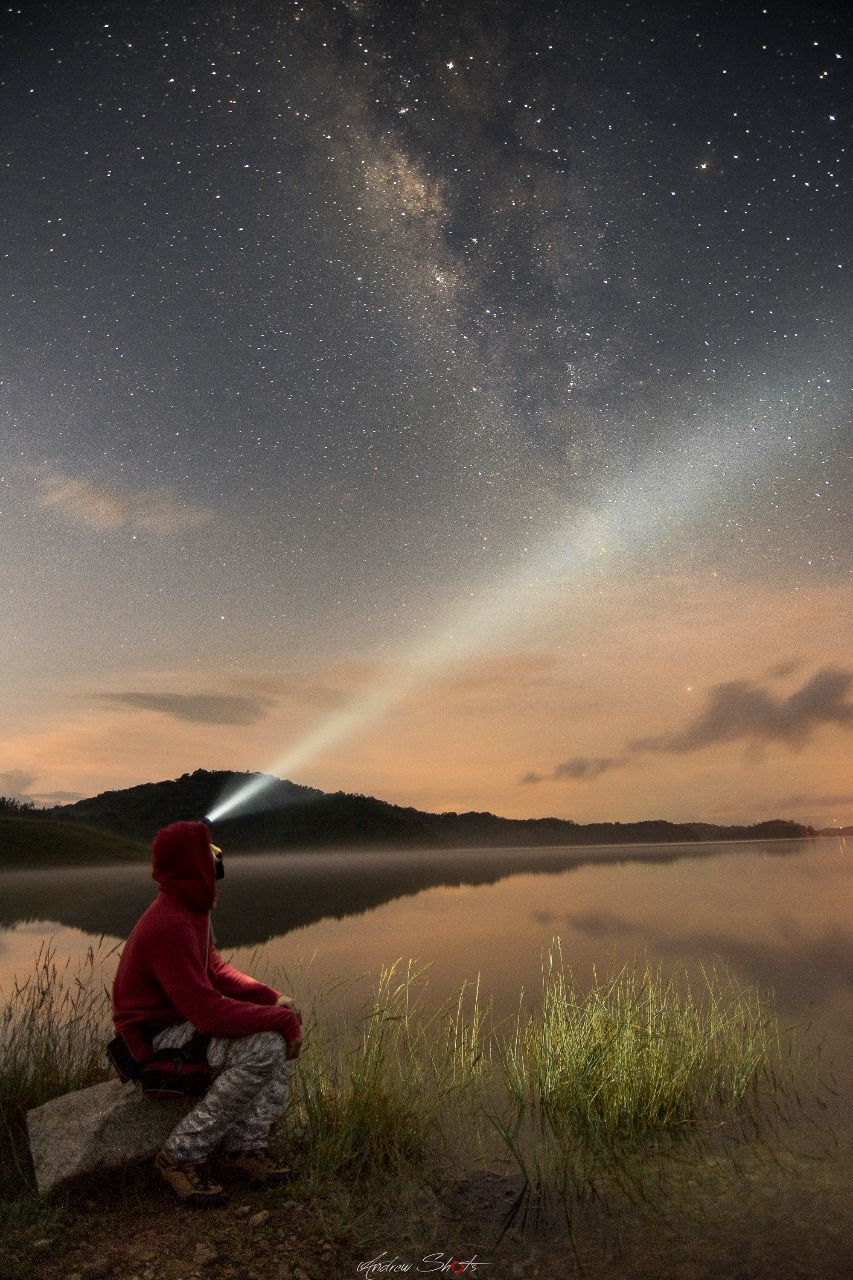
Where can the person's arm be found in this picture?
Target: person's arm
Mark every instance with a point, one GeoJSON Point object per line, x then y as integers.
{"type": "Point", "coordinates": [180, 972]}
{"type": "Point", "coordinates": [231, 982]}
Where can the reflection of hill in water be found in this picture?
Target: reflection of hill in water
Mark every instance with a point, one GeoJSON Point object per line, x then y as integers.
{"type": "Point", "coordinates": [268, 895]}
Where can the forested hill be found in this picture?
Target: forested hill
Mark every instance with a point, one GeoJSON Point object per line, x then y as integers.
{"type": "Point", "coordinates": [302, 817]}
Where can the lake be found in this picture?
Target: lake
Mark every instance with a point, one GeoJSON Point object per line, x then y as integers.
{"type": "Point", "coordinates": [778, 914]}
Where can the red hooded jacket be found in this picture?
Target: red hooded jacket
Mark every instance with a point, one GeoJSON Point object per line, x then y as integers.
{"type": "Point", "coordinates": [170, 971]}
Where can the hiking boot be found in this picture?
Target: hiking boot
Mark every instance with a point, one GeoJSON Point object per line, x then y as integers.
{"type": "Point", "coordinates": [190, 1182]}
{"type": "Point", "coordinates": [257, 1167]}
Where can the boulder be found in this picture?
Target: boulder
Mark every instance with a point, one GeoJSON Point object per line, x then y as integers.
{"type": "Point", "coordinates": [103, 1127]}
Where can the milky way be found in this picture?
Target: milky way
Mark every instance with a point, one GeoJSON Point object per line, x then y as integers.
{"type": "Point", "coordinates": [323, 322]}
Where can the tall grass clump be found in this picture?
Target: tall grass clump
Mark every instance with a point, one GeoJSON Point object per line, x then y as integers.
{"type": "Point", "coordinates": [380, 1101]}
{"type": "Point", "coordinates": [639, 1053]}
{"type": "Point", "coordinates": [53, 1029]}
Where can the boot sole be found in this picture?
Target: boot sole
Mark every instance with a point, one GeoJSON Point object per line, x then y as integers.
{"type": "Point", "coordinates": [195, 1199]}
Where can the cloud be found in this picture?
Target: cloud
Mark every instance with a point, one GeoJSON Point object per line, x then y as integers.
{"type": "Point", "coordinates": [199, 708]}
{"type": "Point", "coordinates": [579, 769]}
{"type": "Point", "coordinates": [742, 709]}
{"type": "Point", "coordinates": [788, 668]}
{"type": "Point", "coordinates": [816, 799]}
{"type": "Point", "coordinates": [737, 710]}
{"type": "Point", "coordinates": [16, 783]}
{"type": "Point", "coordinates": [50, 798]}
{"type": "Point", "coordinates": [587, 767]}
{"type": "Point", "coordinates": [101, 508]}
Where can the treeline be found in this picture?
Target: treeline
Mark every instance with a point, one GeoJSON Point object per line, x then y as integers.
{"type": "Point", "coordinates": [302, 817]}
{"type": "Point", "coordinates": [11, 807]}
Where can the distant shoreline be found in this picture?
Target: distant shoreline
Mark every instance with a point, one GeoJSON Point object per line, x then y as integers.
{"type": "Point", "coordinates": [92, 849]}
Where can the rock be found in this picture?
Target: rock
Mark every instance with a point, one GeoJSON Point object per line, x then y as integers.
{"type": "Point", "coordinates": [205, 1254]}
{"type": "Point", "coordinates": [243, 1211]}
{"type": "Point", "coordinates": [103, 1127]}
{"type": "Point", "coordinates": [42, 1244]}
{"type": "Point", "coordinates": [258, 1219]}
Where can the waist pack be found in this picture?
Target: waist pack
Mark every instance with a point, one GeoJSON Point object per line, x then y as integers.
{"type": "Point", "coordinates": [166, 1073]}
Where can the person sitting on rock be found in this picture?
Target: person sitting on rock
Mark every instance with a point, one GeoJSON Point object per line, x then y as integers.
{"type": "Point", "coordinates": [172, 984]}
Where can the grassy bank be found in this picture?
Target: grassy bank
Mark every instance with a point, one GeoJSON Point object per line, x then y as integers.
{"type": "Point", "coordinates": [30, 843]}
{"type": "Point", "coordinates": [410, 1101]}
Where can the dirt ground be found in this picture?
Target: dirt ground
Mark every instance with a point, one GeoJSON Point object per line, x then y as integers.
{"type": "Point", "coordinates": [131, 1227]}
{"type": "Point", "coordinates": [137, 1231]}
{"type": "Point", "coordinates": [257, 1237]}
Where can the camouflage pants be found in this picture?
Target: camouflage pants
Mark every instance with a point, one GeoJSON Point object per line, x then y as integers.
{"type": "Point", "coordinates": [250, 1087]}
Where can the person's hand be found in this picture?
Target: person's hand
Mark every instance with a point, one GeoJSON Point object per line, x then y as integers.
{"type": "Point", "coordinates": [293, 1048]}
{"type": "Point", "coordinates": [288, 1002]}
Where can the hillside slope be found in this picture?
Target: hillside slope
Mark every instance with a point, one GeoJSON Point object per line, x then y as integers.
{"type": "Point", "coordinates": [30, 841]}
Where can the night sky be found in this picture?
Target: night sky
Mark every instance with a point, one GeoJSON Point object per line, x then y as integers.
{"type": "Point", "coordinates": [444, 402]}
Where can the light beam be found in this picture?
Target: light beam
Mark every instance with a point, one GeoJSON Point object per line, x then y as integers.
{"type": "Point", "coordinates": [672, 485]}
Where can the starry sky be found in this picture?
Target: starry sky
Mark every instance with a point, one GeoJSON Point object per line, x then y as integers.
{"type": "Point", "coordinates": [443, 401]}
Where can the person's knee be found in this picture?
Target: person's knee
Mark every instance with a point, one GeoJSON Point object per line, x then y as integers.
{"type": "Point", "coordinates": [266, 1051]}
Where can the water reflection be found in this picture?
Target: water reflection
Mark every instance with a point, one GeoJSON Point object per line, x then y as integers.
{"type": "Point", "coordinates": [777, 914]}
{"type": "Point", "coordinates": [269, 894]}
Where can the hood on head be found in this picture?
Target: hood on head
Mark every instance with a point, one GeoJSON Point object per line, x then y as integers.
{"type": "Point", "coordinates": [182, 864]}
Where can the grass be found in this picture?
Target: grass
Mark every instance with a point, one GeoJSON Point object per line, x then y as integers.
{"type": "Point", "coordinates": [414, 1098]}
{"type": "Point", "coordinates": [33, 842]}
{"type": "Point", "coordinates": [53, 1030]}
{"type": "Point", "coordinates": [604, 1082]}
{"type": "Point", "coordinates": [639, 1052]}
{"type": "Point", "coordinates": [398, 1091]}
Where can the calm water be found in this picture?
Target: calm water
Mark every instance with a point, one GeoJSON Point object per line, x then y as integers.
{"type": "Point", "coordinates": [778, 914]}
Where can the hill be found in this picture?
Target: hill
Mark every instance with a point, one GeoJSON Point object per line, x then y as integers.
{"type": "Point", "coordinates": [302, 817]}
{"type": "Point", "coordinates": [140, 812]}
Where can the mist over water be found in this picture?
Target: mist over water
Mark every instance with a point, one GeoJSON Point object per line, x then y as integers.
{"type": "Point", "coordinates": [271, 894]}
